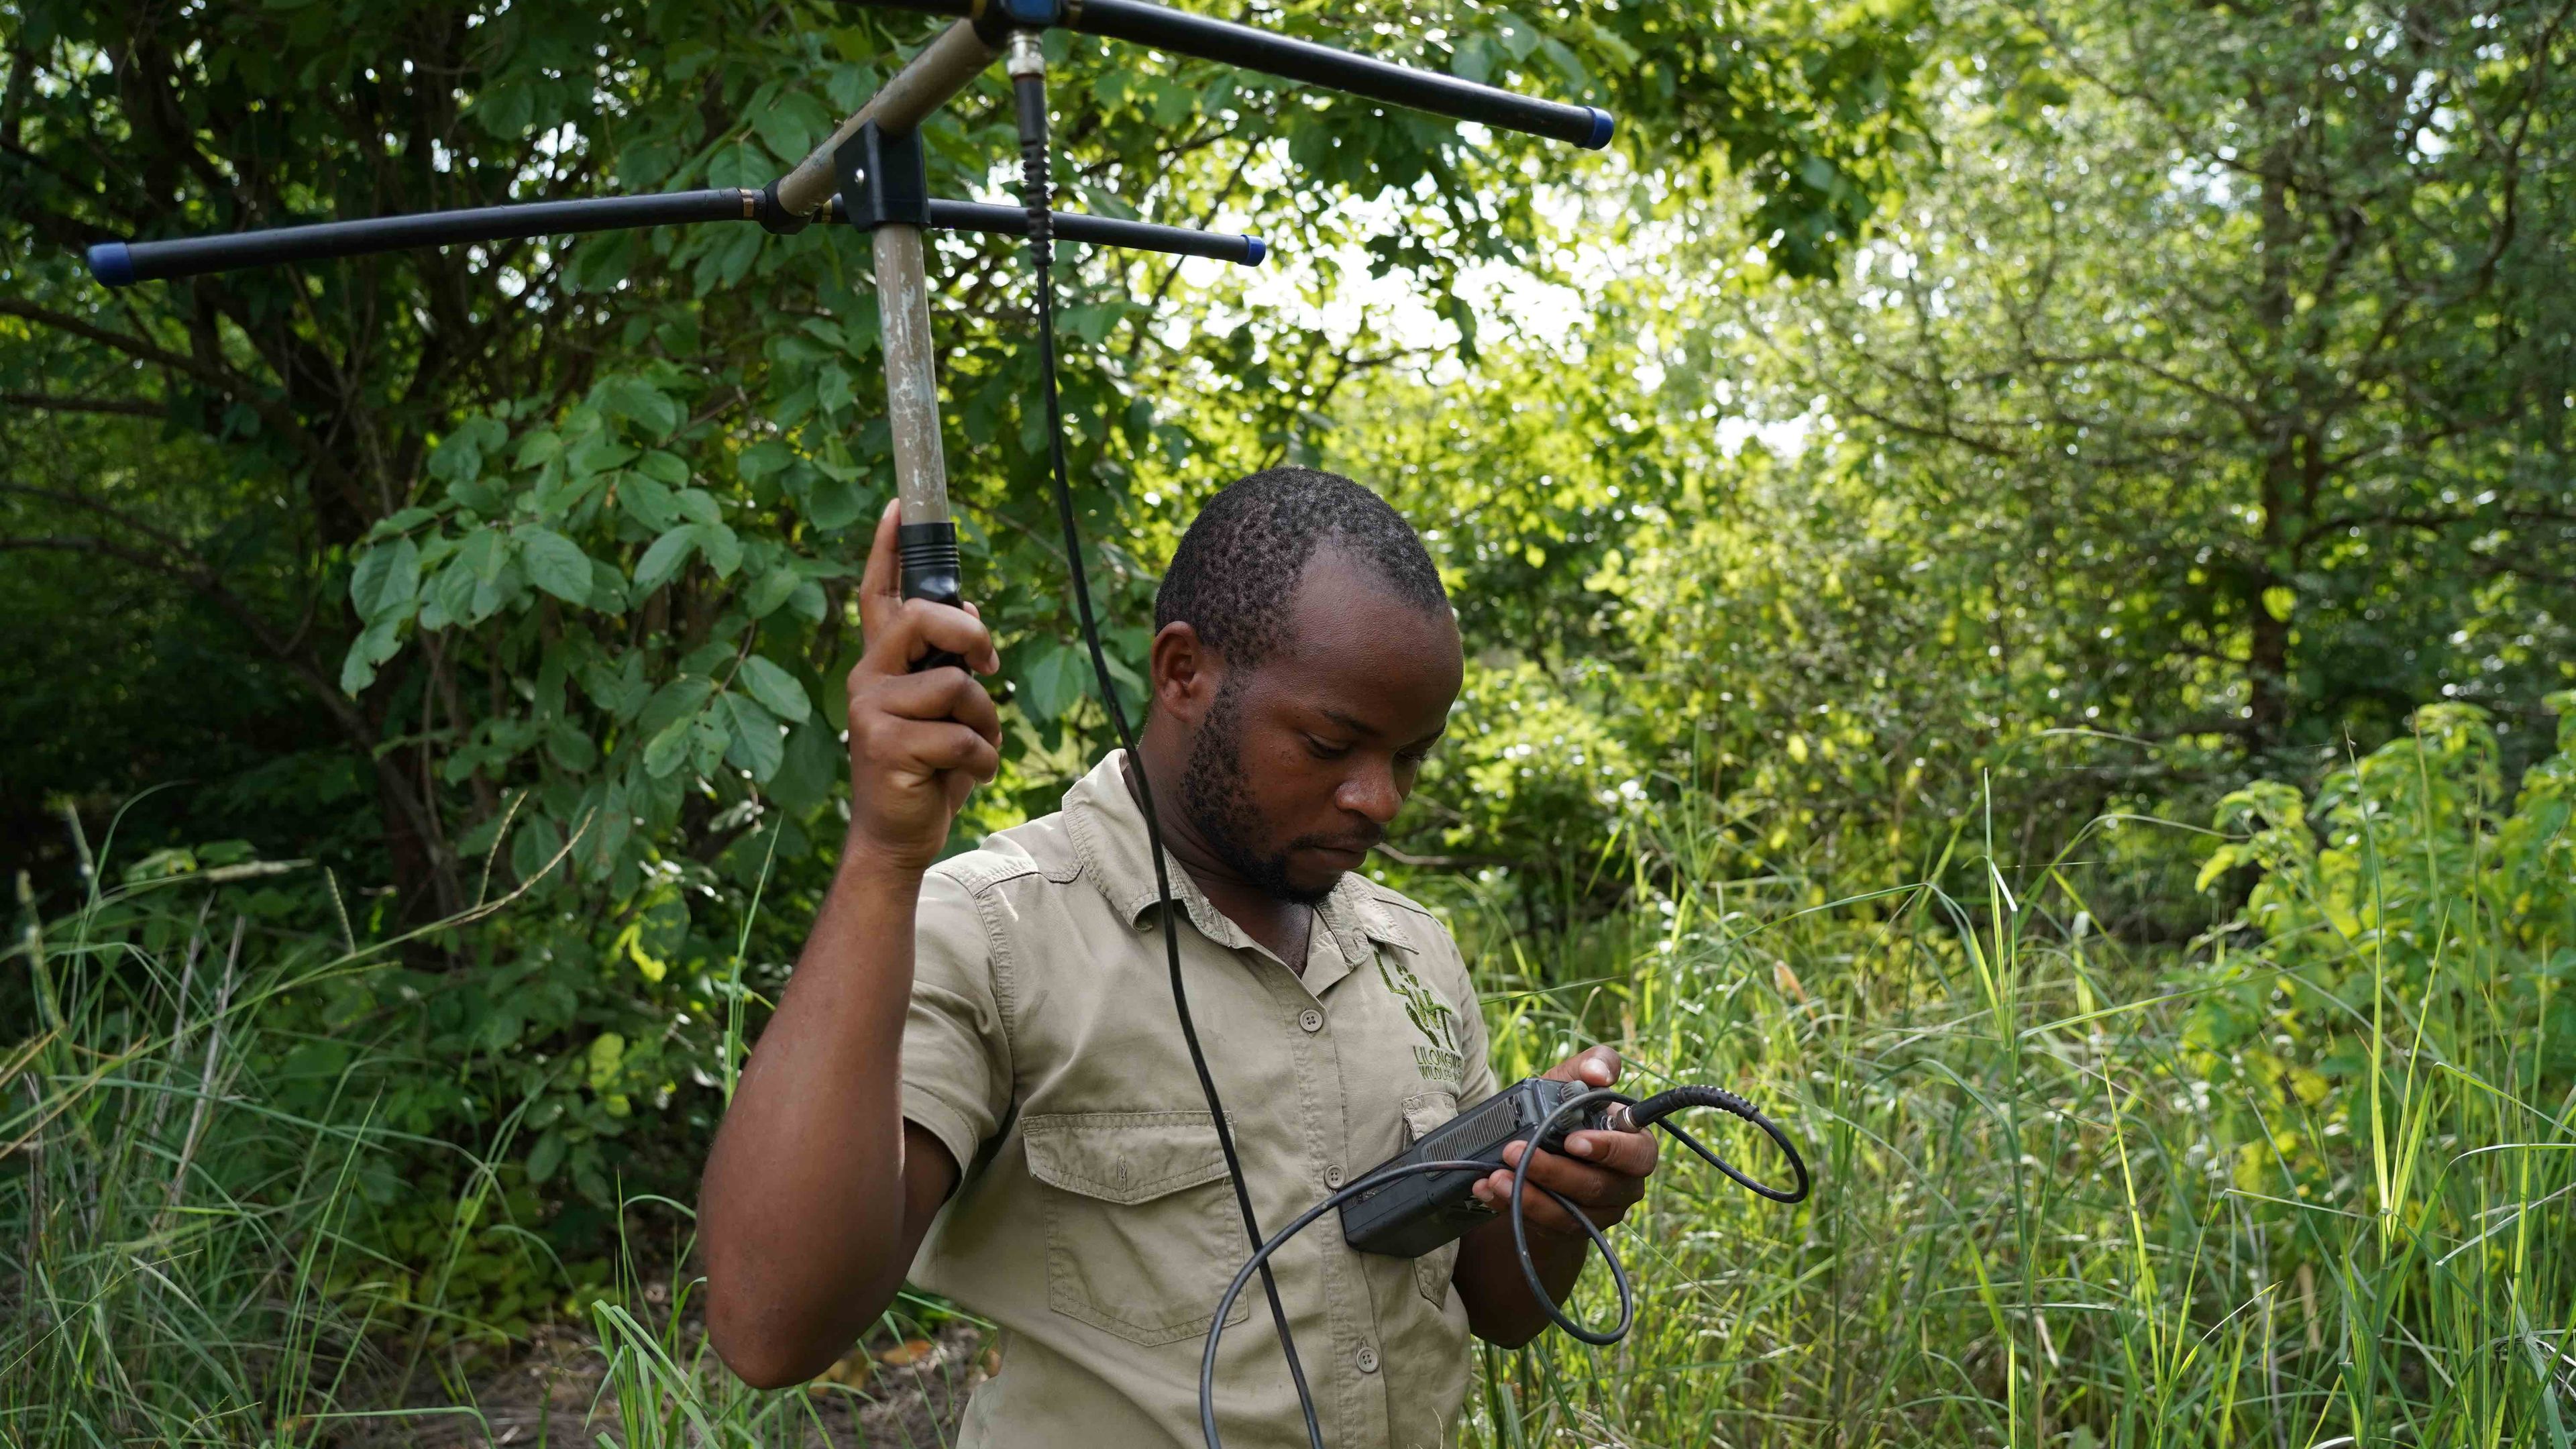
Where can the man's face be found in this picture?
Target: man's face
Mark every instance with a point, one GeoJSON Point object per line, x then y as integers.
{"type": "Point", "coordinates": [1302, 760]}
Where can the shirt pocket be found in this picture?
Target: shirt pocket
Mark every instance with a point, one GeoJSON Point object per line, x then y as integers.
{"type": "Point", "coordinates": [1142, 1231]}
{"type": "Point", "coordinates": [1424, 1112]}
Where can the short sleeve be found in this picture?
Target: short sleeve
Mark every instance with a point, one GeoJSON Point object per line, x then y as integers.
{"type": "Point", "coordinates": [956, 1054]}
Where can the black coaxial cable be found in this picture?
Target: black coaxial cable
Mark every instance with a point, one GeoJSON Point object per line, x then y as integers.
{"type": "Point", "coordinates": [1027, 67]}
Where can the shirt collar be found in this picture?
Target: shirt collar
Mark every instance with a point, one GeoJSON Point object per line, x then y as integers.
{"type": "Point", "coordinates": [1109, 839]}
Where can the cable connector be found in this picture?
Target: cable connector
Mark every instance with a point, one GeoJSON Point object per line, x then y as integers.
{"type": "Point", "coordinates": [1024, 56]}
{"type": "Point", "coordinates": [1025, 62]}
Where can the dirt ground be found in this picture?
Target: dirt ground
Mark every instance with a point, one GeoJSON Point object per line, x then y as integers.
{"type": "Point", "coordinates": [884, 1396]}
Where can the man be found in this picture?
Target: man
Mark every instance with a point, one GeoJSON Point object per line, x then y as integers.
{"type": "Point", "coordinates": [978, 1074]}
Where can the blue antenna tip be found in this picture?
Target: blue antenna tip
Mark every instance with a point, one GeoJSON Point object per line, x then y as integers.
{"type": "Point", "coordinates": [112, 263]}
{"type": "Point", "coordinates": [1603, 123]}
{"type": "Point", "coordinates": [1254, 251]}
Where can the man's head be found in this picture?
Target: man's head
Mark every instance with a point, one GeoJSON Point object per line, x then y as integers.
{"type": "Point", "coordinates": [1305, 658]}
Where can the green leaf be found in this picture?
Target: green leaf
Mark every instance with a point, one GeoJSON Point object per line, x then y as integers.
{"type": "Point", "coordinates": [1473, 60]}
{"type": "Point", "coordinates": [791, 123]}
{"type": "Point", "coordinates": [482, 555]}
{"type": "Point", "coordinates": [2220, 862]}
{"type": "Point", "coordinates": [450, 595]}
{"type": "Point", "coordinates": [812, 764]}
{"type": "Point", "coordinates": [663, 467]}
{"type": "Point", "coordinates": [835, 502]}
{"type": "Point", "coordinates": [540, 447]}
{"type": "Point", "coordinates": [607, 1053]}
{"type": "Point", "coordinates": [490, 594]}
{"type": "Point", "coordinates": [569, 747]}
{"type": "Point", "coordinates": [756, 744]}
{"type": "Point", "coordinates": [1051, 684]}
{"type": "Point", "coordinates": [676, 700]}
{"type": "Point", "coordinates": [379, 643]}
{"type": "Point", "coordinates": [401, 520]}
{"type": "Point", "coordinates": [459, 456]}
{"type": "Point", "coordinates": [599, 453]}
{"type": "Point", "coordinates": [710, 736]}
{"type": "Point", "coordinates": [664, 558]}
{"type": "Point", "coordinates": [807, 601]}
{"type": "Point", "coordinates": [1092, 324]}
{"type": "Point", "coordinates": [618, 689]}
{"type": "Point", "coordinates": [641, 403]}
{"type": "Point", "coordinates": [1565, 62]}
{"type": "Point", "coordinates": [722, 549]}
{"type": "Point", "coordinates": [534, 847]}
{"type": "Point", "coordinates": [664, 752]}
{"type": "Point", "coordinates": [770, 590]}
{"type": "Point", "coordinates": [555, 564]}
{"type": "Point", "coordinates": [660, 934]}
{"type": "Point", "coordinates": [762, 459]}
{"type": "Point", "coordinates": [589, 1176]}
{"type": "Point", "coordinates": [607, 587]}
{"type": "Point", "coordinates": [775, 688]}
{"type": "Point", "coordinates": [500, 1031]}
{"type": "Point", "coordinates": [386, 580]}
{"type": "Point", "coordinates": [648, 502]}
{"type": "Point", "coordinates": [546, 1156]}
{"type": "Point", "coordinates": [833, 388]}
{"type": "Point", "coordinates": [503, 110]}
{"type": "Point", "coordinates": [697, 505]}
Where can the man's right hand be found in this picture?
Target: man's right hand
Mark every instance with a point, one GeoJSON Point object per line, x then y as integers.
{"type": "Point", "coordinates": [817, 1190]}
{"type": "Point", "coordinates": [919, 743]}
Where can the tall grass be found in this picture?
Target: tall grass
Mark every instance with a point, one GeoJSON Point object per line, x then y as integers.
{"type": "Point", "coordinates": [2303, 1187]}
{"type": "Point", "coordinates": [172, 1228]}
{"type": "Point", "coordinates": [2306, 1183]}
{"type": "Point", "coordinates": [181, 1256]}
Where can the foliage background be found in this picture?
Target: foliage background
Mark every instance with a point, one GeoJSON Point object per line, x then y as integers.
{"type": "Point", "coordinates": [1990, 420]}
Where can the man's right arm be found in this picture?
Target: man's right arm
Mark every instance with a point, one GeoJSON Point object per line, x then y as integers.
{"type": "Point", "coordinates": [817, 1191]}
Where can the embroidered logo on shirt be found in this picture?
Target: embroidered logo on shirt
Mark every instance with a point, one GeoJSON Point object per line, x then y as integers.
{"type": "Point", "coordinates": [1437, 1055]}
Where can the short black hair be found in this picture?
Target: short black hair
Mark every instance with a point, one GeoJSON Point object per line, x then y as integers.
{"type": "Point", "coordinates": [1242, 556]}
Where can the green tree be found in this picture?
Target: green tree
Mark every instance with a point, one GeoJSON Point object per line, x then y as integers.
{"type": "Point", "coordinates": [2234, 341]}
{"type": "Point", "coordinates": [559, 535]}
{"type": "Point", "coordinates": [2197, 405]}
{"type": "Point", "coordinates": [525, 566]}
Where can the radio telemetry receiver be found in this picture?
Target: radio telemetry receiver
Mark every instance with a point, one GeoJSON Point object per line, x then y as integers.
{"type": "Point", "coordinates": [1409, 1216]}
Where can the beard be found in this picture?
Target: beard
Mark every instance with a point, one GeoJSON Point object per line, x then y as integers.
{"type": "Point", "coordinates": [1218, 800]}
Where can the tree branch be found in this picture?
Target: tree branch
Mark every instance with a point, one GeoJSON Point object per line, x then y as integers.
{"type": "Point", "coordinates": [46, 402]}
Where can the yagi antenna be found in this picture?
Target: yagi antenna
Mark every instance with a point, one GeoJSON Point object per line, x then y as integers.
{"type": "Point", "coordinates": [869, 173]}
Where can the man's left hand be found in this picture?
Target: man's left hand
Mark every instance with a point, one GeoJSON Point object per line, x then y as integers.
{"type": "Point", "coordinates": [1605, 1173]}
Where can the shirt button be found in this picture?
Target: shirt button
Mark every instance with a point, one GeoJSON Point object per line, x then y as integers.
{"type": "Point", "coordinates": [1367, 1359]}
{"type": "Point", "coordinates": [1333, 1175]}
{"type": "Point", "coordinates": [1311, 1019]}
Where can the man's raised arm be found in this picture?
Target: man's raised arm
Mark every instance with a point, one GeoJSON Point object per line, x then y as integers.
{"type": "Point", "coordinates": [817, 1191]}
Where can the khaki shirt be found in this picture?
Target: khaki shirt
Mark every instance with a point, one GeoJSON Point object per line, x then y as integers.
{"type": "Point", "coordinates": [1093, 1221]}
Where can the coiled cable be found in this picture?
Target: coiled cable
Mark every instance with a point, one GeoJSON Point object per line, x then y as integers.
{"type": "Point", "coordinates": [1636, 1116]}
